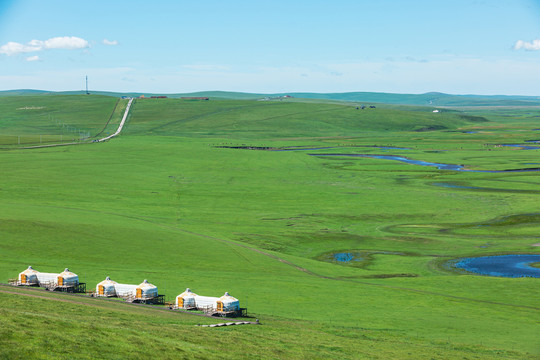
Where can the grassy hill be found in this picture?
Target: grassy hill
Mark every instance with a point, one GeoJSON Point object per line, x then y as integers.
{"type": "Point", "coordinates": [178, 199]}
{"type": "Point", "coordinates": [427, 99]}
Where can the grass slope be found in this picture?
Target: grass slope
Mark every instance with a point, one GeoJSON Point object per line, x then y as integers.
{"type": "Point", "coordinates": [88, 328]}
{"type": "Point", "coordinates": [162, 202]}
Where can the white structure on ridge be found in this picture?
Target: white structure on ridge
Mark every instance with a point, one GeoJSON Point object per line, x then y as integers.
{"type": "Point", "coordinates": [110, 288]}
{"type": "Point", "coordinates": [31, 277]}
{"type": "Point", "coordinates": [209, 304]}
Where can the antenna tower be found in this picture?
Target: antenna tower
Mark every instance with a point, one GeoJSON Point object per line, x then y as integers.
{"type": "Point", "coordinates": [87, 93]}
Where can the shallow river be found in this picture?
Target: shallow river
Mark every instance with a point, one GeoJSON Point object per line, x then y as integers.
{"type": "Point", "coordinates": [439, 166]}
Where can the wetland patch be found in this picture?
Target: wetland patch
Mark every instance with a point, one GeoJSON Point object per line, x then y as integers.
{"type": "Point", "coordinates": [522, 146]}
{"type": "Point", "coordinates": [518, 226]}
{"type": "Point", "coordinates": [352, 257]}
{"type": "Point", "coordinates": [512, 266]}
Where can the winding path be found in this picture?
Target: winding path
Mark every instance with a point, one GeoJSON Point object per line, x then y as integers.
{"type": "Point", "coordinates": [121, 126]}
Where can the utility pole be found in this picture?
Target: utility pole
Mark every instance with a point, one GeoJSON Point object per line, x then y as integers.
{"type": "Point", "coordinates": [87, 93]}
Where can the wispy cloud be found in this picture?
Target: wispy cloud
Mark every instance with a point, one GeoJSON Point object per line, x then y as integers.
{"type": "Point", "coordinates": [110, 42]}
{"type": "Point", "coordinates": [33, 58]}
{"type": "Point", "coordinates": [531, 46]}
{"type": "Point", "coordinates": [62, 42]}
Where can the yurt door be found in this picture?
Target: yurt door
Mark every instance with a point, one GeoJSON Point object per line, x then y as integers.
{"type": "Point", "coordinates": [219, 306]}
{"type": "Point", "coordinates": [101, 290]}
{"type": "Point", "coordinates": [23, 278]}
{"type": "Point", "coordinates": [180, 302]}
{"type": "Point", "coordinates": [139, 293]}
{"type": "Point", "coordinates": [60, 281]}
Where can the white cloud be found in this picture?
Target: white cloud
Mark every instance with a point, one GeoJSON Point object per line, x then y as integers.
{"type": "Point", "coordinates": [33, 58]}
{"type": "Point", "coordinates": [63, 42]}
{"type": "Point", "coordinates": [531, 46]}
{"type": "Point", "coordinates": [110, 42]}
{"type": "Point", "coordinates": [12, 48]}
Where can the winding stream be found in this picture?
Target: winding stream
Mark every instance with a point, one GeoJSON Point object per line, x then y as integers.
{"type": "Point", "coordinates": [439, 166]}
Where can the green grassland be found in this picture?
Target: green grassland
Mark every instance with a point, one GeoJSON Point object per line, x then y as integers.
{"type": "Point", "coordinates": [176, 199]}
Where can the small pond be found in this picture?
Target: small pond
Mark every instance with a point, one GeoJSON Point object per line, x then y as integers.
{"type": "Point", "coordinates": [347, 257]}
{"type": "Point", "coordinates": [501, 265]}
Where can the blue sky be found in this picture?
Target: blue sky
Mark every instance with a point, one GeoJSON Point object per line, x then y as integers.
{"type": "Point", "coordinates": [414, 46]}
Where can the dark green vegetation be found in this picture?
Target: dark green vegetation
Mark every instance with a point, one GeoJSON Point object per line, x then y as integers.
{"type": "Point", "coordinates": [167, 202]}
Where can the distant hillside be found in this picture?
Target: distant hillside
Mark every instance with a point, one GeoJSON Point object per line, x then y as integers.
{"type": "Point", "coordinates": [427, 99]}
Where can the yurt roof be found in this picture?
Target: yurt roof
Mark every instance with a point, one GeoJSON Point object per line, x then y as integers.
{"type": "Point", "coordinates": [107, 281]}
{"type": "Point", "coordinates": [188, 292]}
{"type": "Point", "coordinates": [67, 273]}
{"type": "Point", "coordinates": [29, 271]}
{"type": "Point", "coordinates": [146, 284]}
{"type": "Point", "coordinates": [227, 297]}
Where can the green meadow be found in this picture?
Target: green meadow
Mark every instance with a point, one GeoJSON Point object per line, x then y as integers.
{"type": "Point", "coordinates": [241, 196]}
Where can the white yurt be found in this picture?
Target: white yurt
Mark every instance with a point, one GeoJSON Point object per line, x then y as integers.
{"type": "Point", "coordinates": [186, 300]}
{"type": "Point", "coordinates": [67, 278]}
{"type": "Point", "coordinates": [145, 291]}
{"type": "Point", "coordinates": [28, 277]}
{"type": "Point", "coordinates": [106, 288]}
{"type": "Point", "coordinates": [206, 302]}
{"type": "Point", "coordinates": [228, 303]}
